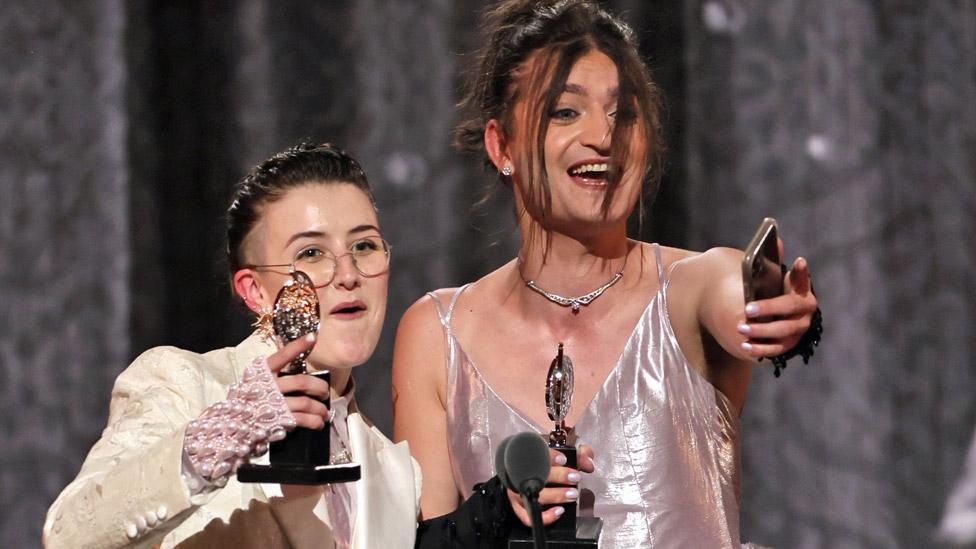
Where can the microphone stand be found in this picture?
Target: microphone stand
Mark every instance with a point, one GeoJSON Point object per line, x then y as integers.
{"type": "Point", "coordinates": [530, 498]}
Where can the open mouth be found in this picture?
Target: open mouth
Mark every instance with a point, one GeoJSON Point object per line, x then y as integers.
{"type": "Point", "coordinates": [348, 309]}
{"type": "Point", "coordinates": [590, 173]}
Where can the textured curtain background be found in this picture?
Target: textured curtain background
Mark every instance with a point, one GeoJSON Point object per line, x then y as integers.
{"type": "Point", "coordinates": [123, 126]}
{"type": "Point", "coordinates": [853, 123]}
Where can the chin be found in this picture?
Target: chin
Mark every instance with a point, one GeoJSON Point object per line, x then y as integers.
{"type": "Point", "coordinates": [591, 213]}
{"type": "Point", "coordinates": [587, 223]}
{"type": "Point", "coordinates": [342, 354]}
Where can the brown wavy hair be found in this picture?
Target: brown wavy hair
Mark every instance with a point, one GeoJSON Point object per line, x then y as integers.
{"type": "Point", "coordinates": [555, 34]}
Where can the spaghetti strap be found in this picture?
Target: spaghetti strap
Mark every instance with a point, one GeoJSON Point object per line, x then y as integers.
{"type": "Point", "coordinates": [441, 315]}
{"type": "Point", "coordinates": [457, 294]}
{"type": "Point", "coordinates": [660, 265]}
{"type": "Point", "coordinates": [445, 316]}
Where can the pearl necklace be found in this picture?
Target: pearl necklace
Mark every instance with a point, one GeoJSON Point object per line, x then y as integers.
{"type": "Point", "coordinates": [573, 302]}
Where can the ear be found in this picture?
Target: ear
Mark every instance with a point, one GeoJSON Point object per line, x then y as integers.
{"type": "Point", "coordinates": [495, 145]}
{"type": "Point", "coordinates": [250, 290]}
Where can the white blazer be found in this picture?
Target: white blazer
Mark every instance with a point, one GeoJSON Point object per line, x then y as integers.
{"type": "Point", "coordinates": [129, 492]}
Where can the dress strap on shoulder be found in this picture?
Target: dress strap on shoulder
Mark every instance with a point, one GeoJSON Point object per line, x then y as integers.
{"type": "Point", "coordinates": [445, 314]}
{"type": "Point", "coordinates": [441, 313]}
{"type": "Point", "coordinates": [660, 264]}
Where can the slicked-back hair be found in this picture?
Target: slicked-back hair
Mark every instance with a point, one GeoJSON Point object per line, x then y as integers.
{"type": "Point", "coordinates": [271, 180]}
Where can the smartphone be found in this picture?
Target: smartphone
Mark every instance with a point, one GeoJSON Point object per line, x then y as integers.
{"type": "Point", "coordinates": [762, 277]}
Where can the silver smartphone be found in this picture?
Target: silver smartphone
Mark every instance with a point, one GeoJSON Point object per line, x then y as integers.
{"type": "Point", "coordinates": [762, 277]}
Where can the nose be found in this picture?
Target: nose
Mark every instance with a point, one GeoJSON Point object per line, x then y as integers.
{"type": "Point", "coordinates": [347, 275]}
{"type": "Point", "coordinates": [597, 132]}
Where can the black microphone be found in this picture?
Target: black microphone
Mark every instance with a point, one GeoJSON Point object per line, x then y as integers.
{"type": "Point", "coordinates": [526, 459]}
{"type": "Point", "coordinates": [526, 463]}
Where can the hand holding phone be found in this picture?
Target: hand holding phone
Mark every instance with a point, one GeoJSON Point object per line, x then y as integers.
{"type": "Point", "coordinates": [775, 326]}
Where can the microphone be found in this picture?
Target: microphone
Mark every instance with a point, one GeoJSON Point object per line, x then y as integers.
{"type": "Point", "coordinates": [526, 463]}
{"type": "Point", "coordinates": [526, 467]}
{"type": "Point", "coordinates": [500, 462]}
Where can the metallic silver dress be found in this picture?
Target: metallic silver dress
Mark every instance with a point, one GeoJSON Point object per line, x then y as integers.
{"type": "Point", "coordinates": [667, 441]}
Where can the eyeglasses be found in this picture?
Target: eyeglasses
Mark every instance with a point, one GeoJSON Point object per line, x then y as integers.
{"type": "Point", "coordinates": [370, 256]}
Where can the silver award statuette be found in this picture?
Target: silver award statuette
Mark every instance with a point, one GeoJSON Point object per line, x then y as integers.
{"type": "Point", "coordinates": [296, 314]}
{"type": "Point", "coordinates": [303, 457]}
{"type": "Point", "coordinates": [559, 396]}
{"type": "Point", "coordinates": [568, 530]}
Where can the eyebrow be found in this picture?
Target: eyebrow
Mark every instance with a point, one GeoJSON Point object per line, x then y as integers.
{"type": "Point", "coordinates": [363, 228]}
{"type": "Point", "coordinates": [319, 234]}
{"type": "Point", "coordinates": [576, 89]}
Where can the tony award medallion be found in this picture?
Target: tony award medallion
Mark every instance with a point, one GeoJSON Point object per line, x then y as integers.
{"type": "Point", "coordinates": [296, 314]}
{"type": "Point", "coordinates": [569, 531]}
{"type": "Point", "coordinates": [303, 456]}
{"type": "Point", "coordinates": [559, 395]}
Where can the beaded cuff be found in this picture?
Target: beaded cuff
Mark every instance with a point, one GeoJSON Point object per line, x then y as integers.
{"type": "Point", "coordinates": [804, 348]}
{"type": "Point", "coordinates": [808, 341]}
{"type": "Point", "coordinates": [231, 431]}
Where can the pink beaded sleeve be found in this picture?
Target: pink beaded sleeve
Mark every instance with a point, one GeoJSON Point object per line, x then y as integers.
{"type": "Point", "coordinates": [231, 431]}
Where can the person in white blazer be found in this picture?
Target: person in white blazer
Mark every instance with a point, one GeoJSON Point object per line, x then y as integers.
{"type": "Point", "coordinates": [146, 483]}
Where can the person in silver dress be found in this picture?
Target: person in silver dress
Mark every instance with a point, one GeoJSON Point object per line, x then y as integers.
{"type": "Point", "coordinates": [564, 111]}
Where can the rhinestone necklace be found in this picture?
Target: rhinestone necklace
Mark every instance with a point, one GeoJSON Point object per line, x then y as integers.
{"type": "Point", "coordinates": [573, 302]}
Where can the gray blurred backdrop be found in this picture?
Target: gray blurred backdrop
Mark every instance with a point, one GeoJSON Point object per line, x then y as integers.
{"type": "Point", "coordinates": [124, 124]}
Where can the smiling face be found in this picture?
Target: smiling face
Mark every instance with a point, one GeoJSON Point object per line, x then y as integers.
{"type": "Point", "coordinates": [314, 222]}
{"type": "Point", "coordinates": [578, 151]}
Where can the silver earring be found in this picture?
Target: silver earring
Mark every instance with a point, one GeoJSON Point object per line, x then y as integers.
{"type": "Point", "coordinates": [507, 170]}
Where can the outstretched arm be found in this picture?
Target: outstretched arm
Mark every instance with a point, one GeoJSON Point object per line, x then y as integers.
{"type": "Point", "coordinates": [721, 334]}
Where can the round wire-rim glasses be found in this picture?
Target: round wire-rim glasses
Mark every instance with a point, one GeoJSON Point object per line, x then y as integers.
{"type": "Point", "coordinates": [371, 260]}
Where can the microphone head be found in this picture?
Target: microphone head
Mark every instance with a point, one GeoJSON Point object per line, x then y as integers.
{"type": "Point", "coordinates": [526, 461]}
{"type": "Point", "coordinates": [500, 462]}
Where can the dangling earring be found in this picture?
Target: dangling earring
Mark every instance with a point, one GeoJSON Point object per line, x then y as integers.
{"type": "Point", "coordinates": [264, 323]}
{"type": "Point", "coordinates": [507, 170]}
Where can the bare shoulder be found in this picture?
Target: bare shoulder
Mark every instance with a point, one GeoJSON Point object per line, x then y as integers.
{"type": "Point", "coordinates": [420, 326]}
{"type": "Point", "coordinates": [697, 279]}
{"type": "Point", "coordinates": [479, 299]}
{"type": "Point", "coordinates": [722, 256]}
{"type": "Point", "coordinates": [703, 266]}
{"type": "Point", "coordinates": [671, 255]}
{"type": "Point", "coordinates": [707, 288]}
{"type": "Point", "coordinates": [704, 291]}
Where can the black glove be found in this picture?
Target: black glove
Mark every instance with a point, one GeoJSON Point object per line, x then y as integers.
{"type": "Point", "coordinates": [484, 521]}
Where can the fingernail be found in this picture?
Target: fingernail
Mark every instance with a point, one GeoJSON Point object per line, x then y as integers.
{"type": "Point", "coordinates": [573, 477]}
{"type": "Point", "coordinates": [743, 328]}
{"type": "Point", "coordinates": [572, 494]}
{"type": "Point", "coordinates": [752, 309]}
{"type": "Point", "coordinates": [310, 337]}
{"type": "Point", "coordinates": [746, 346]}
{"type": "Point", "coordinates": [560, 459]}
{"type": "Point", "coordinates": [558, 511]}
